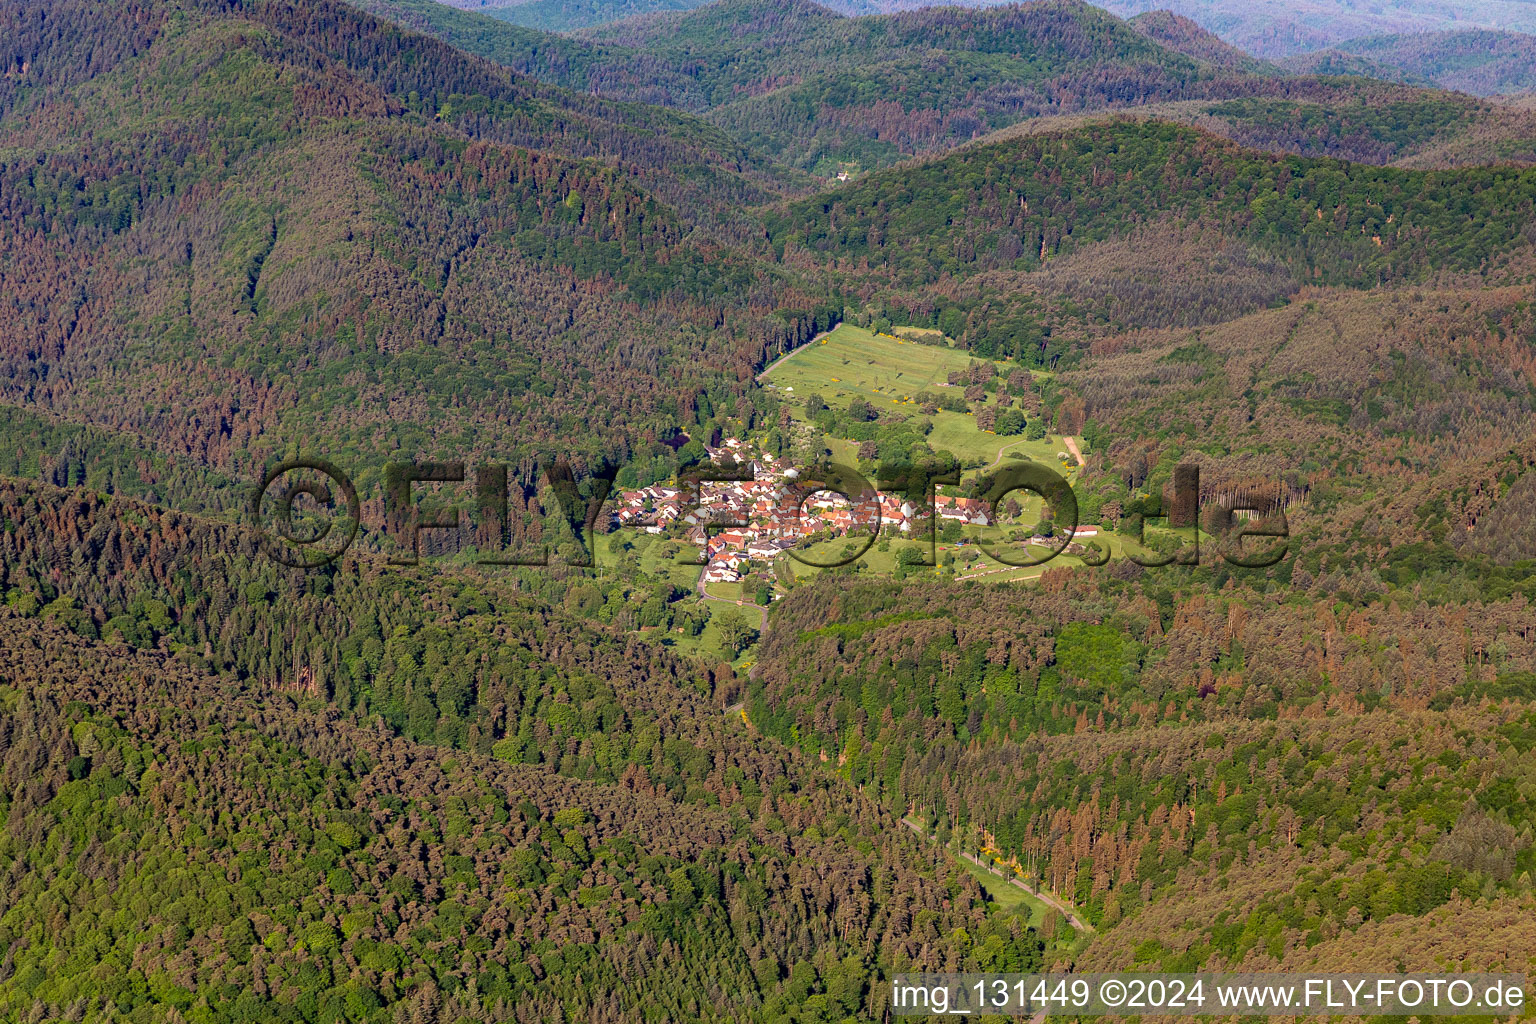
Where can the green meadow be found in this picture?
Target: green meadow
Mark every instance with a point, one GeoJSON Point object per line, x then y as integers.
{"type": "Point", "coordinates": [887, 371]}
{"type": "Point", "coordinates": [882, 369]}
{"type": "Point", "coordinates": [1007, 897]}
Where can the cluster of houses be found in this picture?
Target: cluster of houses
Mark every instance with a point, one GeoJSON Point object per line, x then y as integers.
{"type": "Point", "coordinates": [739, 521]}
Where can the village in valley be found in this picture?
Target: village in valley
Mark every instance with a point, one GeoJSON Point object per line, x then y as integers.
{"type": "Point", "coordinates": [852, 395]}
{"type": "Point", "coordinates": [759, 520]}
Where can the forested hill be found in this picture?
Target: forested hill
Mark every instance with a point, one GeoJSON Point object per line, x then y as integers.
{"type": "Point", "coordinates": [1182, 35]}
{"type": "Point", "coordinates": [292, 797]}
{"type": "Point", "coordinates": [830, 93]}
{"type": "Point", "coordinates": [56, 46]}
{"type": "Point", "coordinates": [1223, 778]}
{"type": "Point", "coordinates": [235, 231]}
{"type": "Point", "coordinates": [569, 15]}
{"type": "Point", "coordinates": [798, 79]}
{"type": "Point", "coordinates": [1014, 201]}
{"type": "Point", "coordinates": [216, 214]}
{"type": "Point", "coordinates": [382, 244]}
{"type": "Point", "coordinates": [869, 90]}
{"type": "Point", "coordinates": [970, 240]}
{"type": "Point", "coordinates": [1280, 30]}
{"type": "Point", "coordinates": [1483, 62]}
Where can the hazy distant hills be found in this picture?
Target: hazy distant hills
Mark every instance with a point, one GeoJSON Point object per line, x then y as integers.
{"type": "Point", "coordinates": [827, 93]}
{"type": "Point", "coordinates": [818, 88]}
{"type": "Point", "coordinates": [569, 15]}
{"type": "Point", "coordinates": [1480, 61]}
{"type": "Point", "coordinates": [1421, 42]}
{"type": "Point", "coordinates": [566, 15]}
{"type": "Point", "coordinates": [1269, 30]}
{"type": "Point", "coordinates": [1300, 26]}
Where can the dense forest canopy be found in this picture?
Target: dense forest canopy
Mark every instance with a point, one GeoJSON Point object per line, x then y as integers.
{"type": "Point", "coordinates": [235, 232]}
{"type": "Point", "coordinates": [830, 93]}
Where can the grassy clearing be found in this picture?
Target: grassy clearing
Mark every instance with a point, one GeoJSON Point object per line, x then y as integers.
{"type": "Point", "coordinates": [653, 566]}
{"type": "Point", "coordinates": [724, 591]}
{"type": "Point", "coordinates": [680, 574]}
{"type": "Point", "coordinates": [956, 433]}
{"type": "Point", "coordinates": [844, 452]}
{"type": "Point", "coordinates": [706, 644]}
{"type": "Point", "coordinates": [1007, 897]}
{"type": "Point", "coordinates": [745, 591]}
{"type": "Point", "coordinates": [887, 372]}
{"type": "Point", "coordinates": [854, 363]}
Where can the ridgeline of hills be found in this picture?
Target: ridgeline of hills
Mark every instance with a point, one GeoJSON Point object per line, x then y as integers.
{"type": "Point", "coordinates": [826, 92]}
{"type": "Point", "coordinates": [330, 202]}
{"type": "Point", "coordinates": [274, 201]}
{"type": "Point", "coordinates": [800, 80]}
{"type": "Point", "coordinates": [1282, 30]}
{"type": "Point", "coordinates": [1482, 62]}
{"type": "Point", "coordinates": [553, 16]}
{"type": "Point", "coordinates": [237, 230]}
{"type": "Point", "coordinates": [1181, 35]}
{"type": "Point", "coordinates": [1291, 30]}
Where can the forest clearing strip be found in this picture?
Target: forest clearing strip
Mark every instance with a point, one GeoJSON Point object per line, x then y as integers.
{"type": "Point", "coordinates": [1042, 896]}
{"type": "Point", "coordinates": [1071, 443]}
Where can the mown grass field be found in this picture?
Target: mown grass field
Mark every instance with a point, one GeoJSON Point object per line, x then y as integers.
{"type": "Point", "coordinates": [1008, 897]}
{"type": "Point", "coordinates": [887, 372]}
{"type": "Point", "coordinates": [882, 369]}
{"type": "Point", "coordinates": [744, 591]}
{"type": "Point", "coordinates": [956, 433]}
